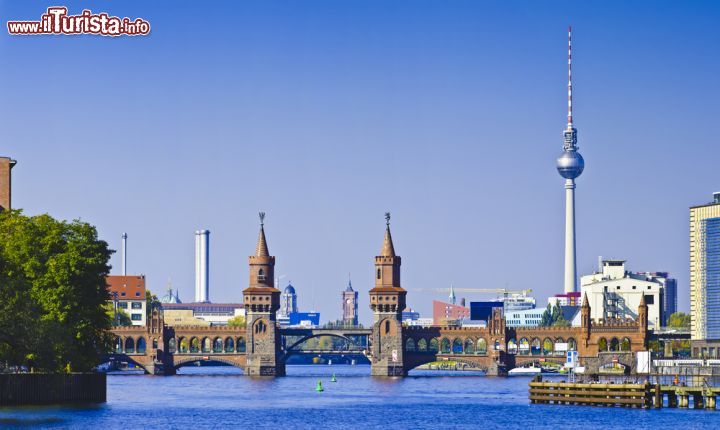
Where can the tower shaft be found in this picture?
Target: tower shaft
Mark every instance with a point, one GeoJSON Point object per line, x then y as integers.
{"type": "Point", "coordinates": [570, 258]}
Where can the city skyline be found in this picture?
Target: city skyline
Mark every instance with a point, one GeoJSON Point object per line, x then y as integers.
{"type": "Point", "coordinates": [450, 118]}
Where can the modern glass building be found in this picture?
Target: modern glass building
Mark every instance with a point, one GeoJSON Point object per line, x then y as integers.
{"type": "Point", "coordinates": [705, 272]}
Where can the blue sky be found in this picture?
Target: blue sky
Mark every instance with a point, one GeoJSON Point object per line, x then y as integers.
{"type": "Point", "coordinates": [327, 114]}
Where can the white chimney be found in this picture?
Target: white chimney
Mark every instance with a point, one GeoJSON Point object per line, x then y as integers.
{"type": "Point", "coordinates": [202, 266]}
{"type": "Point", "coordinates": [123, 264]}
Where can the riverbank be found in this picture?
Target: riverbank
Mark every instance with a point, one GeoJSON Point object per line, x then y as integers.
{"type": "Point", "coordinates": [44, 389]}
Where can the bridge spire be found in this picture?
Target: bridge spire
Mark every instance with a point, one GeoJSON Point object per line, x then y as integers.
{"type": "Point", "coordinates": [261, 250]}
{"type": "Point", "coordinates": [388, 250]}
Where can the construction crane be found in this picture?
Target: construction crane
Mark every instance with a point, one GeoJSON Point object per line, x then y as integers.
{"type": "Point", "coordinates": [504, 291]}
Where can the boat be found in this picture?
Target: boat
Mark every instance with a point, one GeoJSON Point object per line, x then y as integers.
{"type": "Point", "coordinates": [525, 371]}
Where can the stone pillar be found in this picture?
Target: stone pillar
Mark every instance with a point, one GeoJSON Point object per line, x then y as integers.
{"type": "Point", "coordinates": [263, 346]}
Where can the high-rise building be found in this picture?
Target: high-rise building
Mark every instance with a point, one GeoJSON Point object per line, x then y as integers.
{"type": "Point", "coordinates": [669, 298]}
{"type": "Point", "coordinates": [570, 165]}
{"type": "Point", "coordinates": [350, 305]}
{"type": "Point", "coordinates": [6, 165]}
{"type": "Point", "coordinates": [705, 271]}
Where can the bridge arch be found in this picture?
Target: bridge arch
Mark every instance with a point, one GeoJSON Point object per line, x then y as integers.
{"type": "Point", "coordinates": [229, 345]}
{"type": "Point", "coordinates": [194, 345]}
{"type": "Point", "coordinates": [410, 344]}
{"type": "Point", "coordinates": [445, 346]}
{"type": "Point", "coordinates": [186, 361]}
{"type": "Point", "coordinates": [291, 349]}
{"type": "Point", "coordinates": [457, 346]}
{"type": "Point", "coordinates": [481, 347]}
{"type": "Point", "coordinates": [129, 345]}
{"type": "Point", "coordinates": [141, 345]}
{"type": "Point", "coordinates": [240, 344]}
{"type": "Point", "coordinates": [469, 347]}
{"type": "Point", "coordinates": [206, 345]}
{"type": "Point", "coordinates": [625, 345]}
{"type": "Point", "coordinates": [422, 345]}
{"type": "Point", "coordinates": [218, 345]}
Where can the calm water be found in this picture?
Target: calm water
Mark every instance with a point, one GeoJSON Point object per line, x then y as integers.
{"type": "Point", "coordinates": [220, 397]}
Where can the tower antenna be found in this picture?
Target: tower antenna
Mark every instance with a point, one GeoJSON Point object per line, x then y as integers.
{"type": "Point", "coordinates": [262, 218]}
{"type": "Point", "coordinates": [570, 119]}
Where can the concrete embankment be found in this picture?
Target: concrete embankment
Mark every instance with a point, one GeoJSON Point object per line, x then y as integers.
{"type": "Point", "coordinates": [43, 388]}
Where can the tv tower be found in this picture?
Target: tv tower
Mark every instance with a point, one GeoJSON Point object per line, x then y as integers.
{"type": "Point", "coordinates": [570, 165]}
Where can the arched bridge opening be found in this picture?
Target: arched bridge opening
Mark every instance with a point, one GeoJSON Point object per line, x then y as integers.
{"type": "Point", "coordinates": [303, 344]}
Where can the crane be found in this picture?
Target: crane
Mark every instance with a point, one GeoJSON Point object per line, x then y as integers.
{"type": "Point", "coordinates": [504, 291]}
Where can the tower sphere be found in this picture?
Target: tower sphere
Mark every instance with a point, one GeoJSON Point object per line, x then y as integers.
{"type": "Point", "coordinates": [570, 164]}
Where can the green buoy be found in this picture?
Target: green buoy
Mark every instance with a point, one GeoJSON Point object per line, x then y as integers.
{"type": "Point", "coordinates": [333, 378]}
{"type": "Point", "coordinates": [319, 387]}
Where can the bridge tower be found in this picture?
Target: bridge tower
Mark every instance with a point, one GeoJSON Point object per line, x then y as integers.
{"type": "Point", "coordinates": [262, 301]}
{"type": "Point", "coordinates": [585, 321]}
{"type": "Point", "coordinates": [387, 301]}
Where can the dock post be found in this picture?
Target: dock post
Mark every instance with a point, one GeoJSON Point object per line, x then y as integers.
{"type": "Point", "coordinates": [697, 401]}
{"type": "Point", "coordinates": [658, 397]}
{"type": "Point", "coordinates": [682, 398]}
{"type": "Point", "coordinates": [672, 400]}
{"type": "Point", "coordinates": [709, 399]}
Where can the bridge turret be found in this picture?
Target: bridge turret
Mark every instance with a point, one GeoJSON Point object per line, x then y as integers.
{"type": "Point", "coordinates": [387, 301]}
{"type": "Point", "coordinates": [262, 301]}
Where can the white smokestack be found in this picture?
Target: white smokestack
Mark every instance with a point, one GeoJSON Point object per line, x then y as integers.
{"type": "Point", "coordinates": [202, 266]}
{"type": "Point", "coordinates": [123, 264]}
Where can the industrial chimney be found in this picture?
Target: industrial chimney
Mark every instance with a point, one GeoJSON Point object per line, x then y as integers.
{"type": "Point", "coordinates": [202, 266]}
{"type": "Point", "coordinates": [123, 264]}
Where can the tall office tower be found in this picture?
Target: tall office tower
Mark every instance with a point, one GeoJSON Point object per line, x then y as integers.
{"type": "Point", "coordinates": [6, 165]}
{"type": "Point", "coordinates": [202, 266]}
{"type": "Point", "coordinates": [350, 305]}
{"type": "Point", "coordinates": [570, 165]}
{"type": "Point", "coordinates": [669, 298]}
{"type": "Point", "coordinates": [705, 270]}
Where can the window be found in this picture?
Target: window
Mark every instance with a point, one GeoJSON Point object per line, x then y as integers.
{"type": "Point", "coordinates": [136, 317]}
{"type": "Point", "coordinates": [261, 275]}
{"type": "Point", "coordinates": [123, 294]}
{"type": "Point", "coordinates": [122, 305]}
{"type": "Point", "coordinates": [378, 273]}
{"type": "Point", "coordinates": [634, 287]}
{"type": "Point", "coordinates": [137, 294]}
{"type": "Point", "coordinates": [649, 300]}
{"type": "Point", "coordinates": [137, 305]}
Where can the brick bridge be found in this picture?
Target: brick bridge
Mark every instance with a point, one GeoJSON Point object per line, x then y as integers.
{"type": "Point", "coordinates": [393, 349]}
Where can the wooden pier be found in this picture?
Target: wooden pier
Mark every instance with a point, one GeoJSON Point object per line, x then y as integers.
{"type": "Point", "coordinates": [567, 393]}
{"type": "Point", "coordinates": [644, 396]}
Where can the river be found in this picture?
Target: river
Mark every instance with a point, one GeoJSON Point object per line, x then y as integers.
{"type": "Point", "coordinates": [220, 397]}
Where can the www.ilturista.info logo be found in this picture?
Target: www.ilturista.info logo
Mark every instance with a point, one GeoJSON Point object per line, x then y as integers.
{"type": "Point", "coordinates": [57, 21]}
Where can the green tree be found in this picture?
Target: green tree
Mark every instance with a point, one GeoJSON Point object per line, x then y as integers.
{"type": "Point", "coordinates": [679, 320]}
{"type": "Point", "coordinates": [151, 302]}
{"type": "Point", "coordinates": [123, 319]}
{"type": "Point", "coordinates": [546, 319]}
{"type": "Point", "coordinates": [238, 321]}
{"type": "Point", "coordinates": [53, 293]}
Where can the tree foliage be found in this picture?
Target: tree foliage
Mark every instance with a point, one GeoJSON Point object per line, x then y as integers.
{"type": "Point", "coordinates": [151, 302]}
{"type": "Point", "coordinates": [679, 320]}
{"type": "Point", "coordinates": [53, 293]}
{"type": "Point", "coordinates": [553, 317]}
{"type": "Point", "coordinates": [238, 321]}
